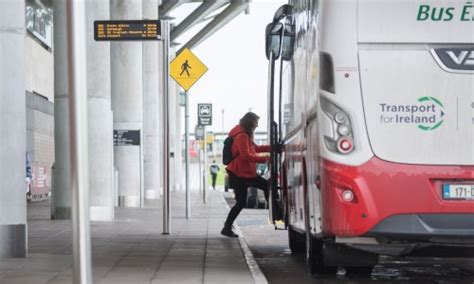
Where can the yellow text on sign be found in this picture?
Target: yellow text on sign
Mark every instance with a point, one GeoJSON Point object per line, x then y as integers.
{"type": "Point", "coordinates": [186, 69]}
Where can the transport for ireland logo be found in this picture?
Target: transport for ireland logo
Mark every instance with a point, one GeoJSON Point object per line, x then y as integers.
{"type": "Point", "coordinates": [427, 114]}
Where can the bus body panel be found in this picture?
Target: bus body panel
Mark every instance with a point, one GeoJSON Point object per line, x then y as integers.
{"type": "Point", "coordinates": [295, 175]}
{"type": "Point", "coordinates": [415, 21]}
{"type": "Point", "coordinates": [416, 112]}
{"type": "Point", "coordinates": [383, 189]}
{"type": "Point", "coordinates": [338, 38]}
{"type": "Point", "coordinates": [313, 177]}
{"type": "Point", "coordinates": [300, 94]}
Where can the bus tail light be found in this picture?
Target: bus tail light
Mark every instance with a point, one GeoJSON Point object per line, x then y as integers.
{"type": "Point", "coordinates": [338, 136]}
{"type": "Point", "coordinates": [345, 145]}
{"type": "Point", "coordinates": [347, 195]}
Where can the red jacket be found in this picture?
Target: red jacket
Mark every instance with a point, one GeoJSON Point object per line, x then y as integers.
{"type": "Point", "coordinates": [245, 151]}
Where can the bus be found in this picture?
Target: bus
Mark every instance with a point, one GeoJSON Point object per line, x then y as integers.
{"type": "Point", "coordinates": [371, 103]}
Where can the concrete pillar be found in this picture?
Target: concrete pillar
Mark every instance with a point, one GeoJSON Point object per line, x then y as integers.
{"type": "Point", "coordinates": [13, 241]}
{"type": "Point", "coordinates": [127, 103]}
{"type": "Point", "coordinates": [101, 150]}
{"type": "Point", "coordinates": [61, 191]}
{"type": "Point", "coordinates": [151, 107]}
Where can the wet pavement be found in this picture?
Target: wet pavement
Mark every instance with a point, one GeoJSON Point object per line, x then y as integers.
{"type": "Point", "coordinates": [271, 251]}
{"type": "Point", "coordinates": [132, 249]}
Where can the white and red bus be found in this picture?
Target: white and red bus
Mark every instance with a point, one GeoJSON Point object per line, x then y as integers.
{"type": "Point", "coordinates": [373, 101]}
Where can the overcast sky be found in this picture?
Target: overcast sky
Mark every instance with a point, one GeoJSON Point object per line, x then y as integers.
{"type": "Point", "coordinates": [237, 76]}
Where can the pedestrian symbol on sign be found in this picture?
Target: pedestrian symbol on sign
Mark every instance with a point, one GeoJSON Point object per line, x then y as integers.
{"type": "Point", "coordinates": [184, 68]}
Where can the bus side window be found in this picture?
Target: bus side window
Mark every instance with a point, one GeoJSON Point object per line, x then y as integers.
{"type": "Point", "coordinates": [326, 82]}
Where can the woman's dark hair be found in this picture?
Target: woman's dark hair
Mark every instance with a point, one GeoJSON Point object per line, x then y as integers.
{"type": "Point", "coordinates": [248, 121]}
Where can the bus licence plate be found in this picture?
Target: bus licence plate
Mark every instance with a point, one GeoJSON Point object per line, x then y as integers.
{"type": "Point", "coordinates": [458, 191]}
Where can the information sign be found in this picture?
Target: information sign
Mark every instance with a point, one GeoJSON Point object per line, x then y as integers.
{"type": "Point", "coordinates": [127, 30]}
{"type": "Point", "coordinates": [204, 114]}
{"type": "Point", "coordinates": [126, 137]}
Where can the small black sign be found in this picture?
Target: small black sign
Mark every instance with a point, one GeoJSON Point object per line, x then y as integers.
{"type": "Point", "coordinates": [127, 30]}
{"type": "Point", "coordinates": [126, 137]}
{"type": "Point", "coordinates": [204, 114]}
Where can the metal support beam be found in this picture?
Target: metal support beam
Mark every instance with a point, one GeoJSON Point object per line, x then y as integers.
{"type": "Point", "coordinates": [234, 9]}
{"type": "Point", "coordinates": [204, 170]}
{"type": "Point", "coordinates": [169, 5]}
{"type": "Point", "coordinates": [186, 154]}
{"type": "Point", "coordinates": [197, 16]}
{"type": "Point", "coordinates": [166, 128]}
{"type": "Point", "coordinates": [77, 79]}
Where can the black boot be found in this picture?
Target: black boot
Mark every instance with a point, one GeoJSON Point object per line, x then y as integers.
{"type": "Point", "coordinates": [228, 232]}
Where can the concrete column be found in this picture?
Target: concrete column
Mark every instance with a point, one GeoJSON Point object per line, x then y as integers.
{"type": "Point", "coordinates": [61, 191]}
{"type": "Point", "coordinates": [151, 107]}
{"type": "Point", "coordinates": [13, 241]}
{"type": "Point", "coordinates": [101, 148]}
{"type": "Point", "coordinates": [127, 103]}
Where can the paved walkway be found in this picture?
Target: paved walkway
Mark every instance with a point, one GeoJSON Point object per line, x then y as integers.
{"type": "Point", "coordinates": [132, 249]}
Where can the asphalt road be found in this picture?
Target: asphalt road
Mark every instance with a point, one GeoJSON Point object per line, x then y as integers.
{"type": "Point", "coordinates": [271, 251]}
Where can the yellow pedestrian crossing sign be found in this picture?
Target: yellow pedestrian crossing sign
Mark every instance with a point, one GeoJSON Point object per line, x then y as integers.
{"type": "Point", "coordinates": [186, 69]}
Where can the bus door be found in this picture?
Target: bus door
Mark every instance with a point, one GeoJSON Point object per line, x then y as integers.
{"type": "Point", "coordinates": [279, 46]}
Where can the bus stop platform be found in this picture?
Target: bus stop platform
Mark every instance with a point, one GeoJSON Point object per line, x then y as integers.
{"type": "Point", "coordinates": [132, 248]}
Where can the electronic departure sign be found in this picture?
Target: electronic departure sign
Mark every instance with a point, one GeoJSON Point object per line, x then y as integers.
{"type": "Point", "coordinates": [127, 30]}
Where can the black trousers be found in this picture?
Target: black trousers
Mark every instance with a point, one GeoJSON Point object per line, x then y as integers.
{"type": "Point", "coordinates": [214, 177]}
{"type": "Point", "coordinates": [240, 186]}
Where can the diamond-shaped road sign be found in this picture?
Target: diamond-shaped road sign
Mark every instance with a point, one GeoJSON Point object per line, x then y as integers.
{"type": "Point", "coordinates": [186, 69]}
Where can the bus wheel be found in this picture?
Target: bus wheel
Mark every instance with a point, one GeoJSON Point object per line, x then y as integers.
{"type": "Point", "coordinates": [296, 241]}
{"type": "Point", "coordinates": [315, 257]}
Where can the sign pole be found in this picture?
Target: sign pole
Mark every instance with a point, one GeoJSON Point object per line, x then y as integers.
{"type": "Point", "coordinates": [200, 171]}
{"type": "Point", "coordinates": [186, 69]}
{"type": "Point", "coordinates": [204, 171]}
{"type": "Point", "coordinates": [166, 130]}
{"type": "Point", "coordinates": [77, 78]}
{"type": "Point", "coordinates": [186, 149]}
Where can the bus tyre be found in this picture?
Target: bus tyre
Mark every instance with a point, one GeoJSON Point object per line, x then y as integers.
{"type": "Point", "coordinates": [296, 241]}
{"type": "Point", "coordinates": [315, 257]}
